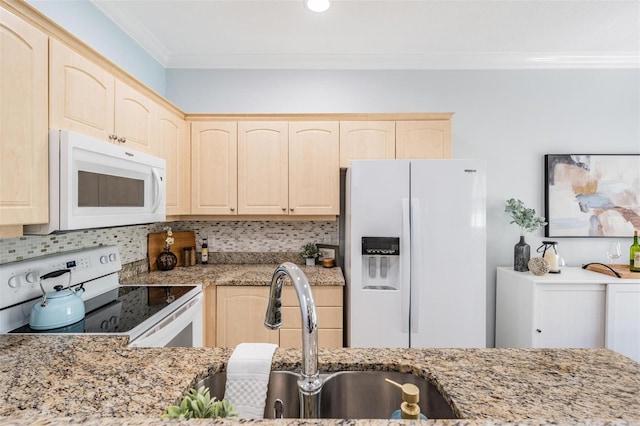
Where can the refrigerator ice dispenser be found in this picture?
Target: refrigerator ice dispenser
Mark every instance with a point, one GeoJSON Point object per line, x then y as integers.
{"type": "Point", "coordinates": [380, 263]}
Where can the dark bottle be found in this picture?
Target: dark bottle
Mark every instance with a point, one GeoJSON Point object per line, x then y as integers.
{"type": "Point", "coordinates": [205, 251]}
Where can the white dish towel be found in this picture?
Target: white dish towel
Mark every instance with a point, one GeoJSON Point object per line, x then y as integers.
{"type": "Point", "coordinates": [248, 372]}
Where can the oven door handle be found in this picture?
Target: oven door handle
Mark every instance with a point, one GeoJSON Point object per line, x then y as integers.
{"type": "Point", "coordinates": [167, 329]}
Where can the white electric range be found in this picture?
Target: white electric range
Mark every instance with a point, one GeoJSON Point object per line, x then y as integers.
{"type": "Point", "coordinates": [135, 311]}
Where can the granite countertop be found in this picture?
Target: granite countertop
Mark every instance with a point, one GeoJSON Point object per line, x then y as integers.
{"type": "Point", "coordinates": [97, 380]}
{"type": "Point", "coordinates": [232, 274]}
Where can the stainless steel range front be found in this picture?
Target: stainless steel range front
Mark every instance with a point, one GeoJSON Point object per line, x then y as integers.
{"type": "Point", "coordinates": [40, 295]}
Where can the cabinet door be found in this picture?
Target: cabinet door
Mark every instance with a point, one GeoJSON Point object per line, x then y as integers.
{"type": "Point", "coordinates": [81, 94]}
{"type": "Point", "coordinates": [172, 144]}
{"type": "Point", "coordinates": [623, 319]}
{"type": "Point", "coordinates": [367, 140]}
{"type": "Point", "coordinates": [209, 316]}
{"type": "Point", "coordinates": [569, 315]}
{"type": "Point", "coordinates": [263, 172]}
{"type": "Point", "coordinates": [329, 308]}
{"type": "Point", "coordinates": [134, 118]}
{"type": "Point", "coordinates": [314, 169]}
{"type": "Point", "coordinates": [240, 316]}
{"type": "Point", "coordinates": [214, 168]}
{"type": "Point", "coordinates": [24, 176]}
{"type": "Point", "coordinates": [423, 139]}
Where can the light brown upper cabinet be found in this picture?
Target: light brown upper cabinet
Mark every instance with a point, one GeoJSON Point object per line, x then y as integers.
{"type": "Point", "coordinates": [172, 143]}
{"type": "Point", "coordinates": [134, 118]}
{"type": "Point", "coordinates": [281, 168]}
{"type": "Point", "coordinates": [24, 178]}
{"type": "Point", "coordinates": [214, 168]}
{"type": "Point", "coordinates": [367, 140]}
{"type": "Point", "coordinates": [263, 172]}
{"type": "Point", "coordinates": [85, 98]}
{"type": "Point", "coordinates": [314, 169]}
{"type": "Point", "coordinates": [423, 139]}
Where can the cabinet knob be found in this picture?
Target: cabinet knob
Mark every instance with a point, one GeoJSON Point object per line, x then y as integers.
{"type": "Point", "coordinates": [538, 330]}
{"type": "Point", "coordinates": [284, 209]}
{"type": "Point", "coordinates": [113, 136]}
{"type": "Point", "coordinates": [122, 140]}
{"type": "Point", "coordinates": [291, 209]}
{"type": "Point", "coordinates": [231, 208]}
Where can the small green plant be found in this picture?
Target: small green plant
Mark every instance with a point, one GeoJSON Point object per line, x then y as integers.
{"type": "Point", "coordinates": [310, 250]}
{"type": "Point", "coordinates": [199, 404]}
{"type": "Point", "coordinates": [525, 218]}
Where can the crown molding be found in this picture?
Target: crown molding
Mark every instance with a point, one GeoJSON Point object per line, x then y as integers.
{"type": "Point", "coordinates": [134, 29]}
{"type": "Point", "coordinates": [411, 61]}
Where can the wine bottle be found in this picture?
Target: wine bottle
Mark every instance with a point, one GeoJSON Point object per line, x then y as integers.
{"type": "Point", "coordinates": [205, 251]}
{"type": "Point", "coordinates": [634, 254]}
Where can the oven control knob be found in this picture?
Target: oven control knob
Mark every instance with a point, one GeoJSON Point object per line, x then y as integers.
{"type": "Point", "coordinates": [104, 259]}
{"type": "Point", "coordinates": [112, 257]}
{"type": "Point", "coordinates": [14, 282]}
{"type": "Point", "coordinates": [32, 277]}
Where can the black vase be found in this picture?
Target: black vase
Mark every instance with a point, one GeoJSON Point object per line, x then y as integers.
{"type": "Point", "coordinates": [521, 255]}
{"type": "Point", "coordinates": [166, 260]}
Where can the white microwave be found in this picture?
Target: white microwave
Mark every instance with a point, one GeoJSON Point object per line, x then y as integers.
{"type": "Point", "coordinates": [97, 184]}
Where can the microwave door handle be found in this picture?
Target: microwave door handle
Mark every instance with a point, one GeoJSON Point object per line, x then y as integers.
{"type": "Point", "coordinates": [158, 181]}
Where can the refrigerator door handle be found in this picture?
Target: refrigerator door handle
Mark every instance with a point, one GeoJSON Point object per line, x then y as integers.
{"type": "Point", "coordinates": [405, 259]}
{"type": "Point", "coordinates": [416, 267]}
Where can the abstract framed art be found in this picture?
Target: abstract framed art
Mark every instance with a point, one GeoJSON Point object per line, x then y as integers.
{"type": "Point", "coordinates": [592, 195]}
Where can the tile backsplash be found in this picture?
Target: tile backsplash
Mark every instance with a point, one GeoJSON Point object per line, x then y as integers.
{"type": "Point", "coordinates": [262, 236]}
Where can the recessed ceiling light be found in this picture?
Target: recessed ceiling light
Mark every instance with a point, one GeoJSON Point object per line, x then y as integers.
{"type": "Point", "coordinates": [317, 5]}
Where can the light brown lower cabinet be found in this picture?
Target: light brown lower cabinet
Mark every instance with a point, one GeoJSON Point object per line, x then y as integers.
{"type": "Point", "coordinates": [209, 316]}
{"type": "Point", "coordinates": [240, 316]}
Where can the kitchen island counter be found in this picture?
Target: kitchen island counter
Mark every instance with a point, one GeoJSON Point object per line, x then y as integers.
{"type": "Point", "coordinates": [97, 378]}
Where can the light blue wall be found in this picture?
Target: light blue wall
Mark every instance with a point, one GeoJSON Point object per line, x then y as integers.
{"type": "Point", "coordinates": [509, 118]}
{"type": "Point", "coordinates": [85, 21]}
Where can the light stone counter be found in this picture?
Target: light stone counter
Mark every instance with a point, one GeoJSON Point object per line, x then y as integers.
{"type": "Point", "coordinates": [232, 274]}
{"type": "Point", "coordinates": [96, 380]}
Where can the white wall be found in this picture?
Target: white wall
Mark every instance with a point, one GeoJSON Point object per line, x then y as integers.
{"type": "Point", "coordinates": [85, 21]}
{"type": "Point", "coordinates": [509, 118]}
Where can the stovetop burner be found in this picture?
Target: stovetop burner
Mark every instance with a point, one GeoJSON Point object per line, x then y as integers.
{"type": "Point", "coordinates": [119, 311]}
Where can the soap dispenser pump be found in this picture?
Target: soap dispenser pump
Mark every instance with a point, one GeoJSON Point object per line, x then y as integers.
{"type": "Point", "coordinates": [409, 409]}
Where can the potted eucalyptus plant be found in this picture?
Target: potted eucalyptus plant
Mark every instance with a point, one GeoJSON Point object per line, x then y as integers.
{"type": "Point", "coordinates": [310, 252]}
{"type": "Point", "coordinates": [527, 221]}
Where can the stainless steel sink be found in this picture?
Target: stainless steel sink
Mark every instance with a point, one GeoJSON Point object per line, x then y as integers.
{"type": "Point", "coordinates": [366, 395]}
{"type": "Point", "coordinates": [283, 385]}
{"type": "Point", "coordinates": [345, 394]}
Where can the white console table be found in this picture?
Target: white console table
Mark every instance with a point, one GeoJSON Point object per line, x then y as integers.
{"type": "Point", "coordinates": [573, 309]}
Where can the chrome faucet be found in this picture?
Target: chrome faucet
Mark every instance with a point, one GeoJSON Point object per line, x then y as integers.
{"type": "Point", "coordinates": [310, 383]}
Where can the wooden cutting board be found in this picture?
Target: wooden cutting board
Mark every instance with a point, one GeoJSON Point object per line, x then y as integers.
{"type": "Point", "coordinates": [155, 246]}
{"type": "Point", "coordinates": [622, 270]}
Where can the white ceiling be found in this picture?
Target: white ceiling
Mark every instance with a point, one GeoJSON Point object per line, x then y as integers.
{"type": "Point", "coordinates": [391, 34]}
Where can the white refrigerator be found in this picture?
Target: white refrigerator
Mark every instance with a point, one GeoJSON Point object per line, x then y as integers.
{"type": "Point", "coordinates": [415, 253]}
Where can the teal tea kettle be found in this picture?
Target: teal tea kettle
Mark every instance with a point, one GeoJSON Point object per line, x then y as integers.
{"type": "Point", "coordinates": [58, 309]}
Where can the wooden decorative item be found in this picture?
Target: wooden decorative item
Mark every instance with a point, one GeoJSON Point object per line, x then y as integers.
{"type": "Point", "coordinates": [156, 244]}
